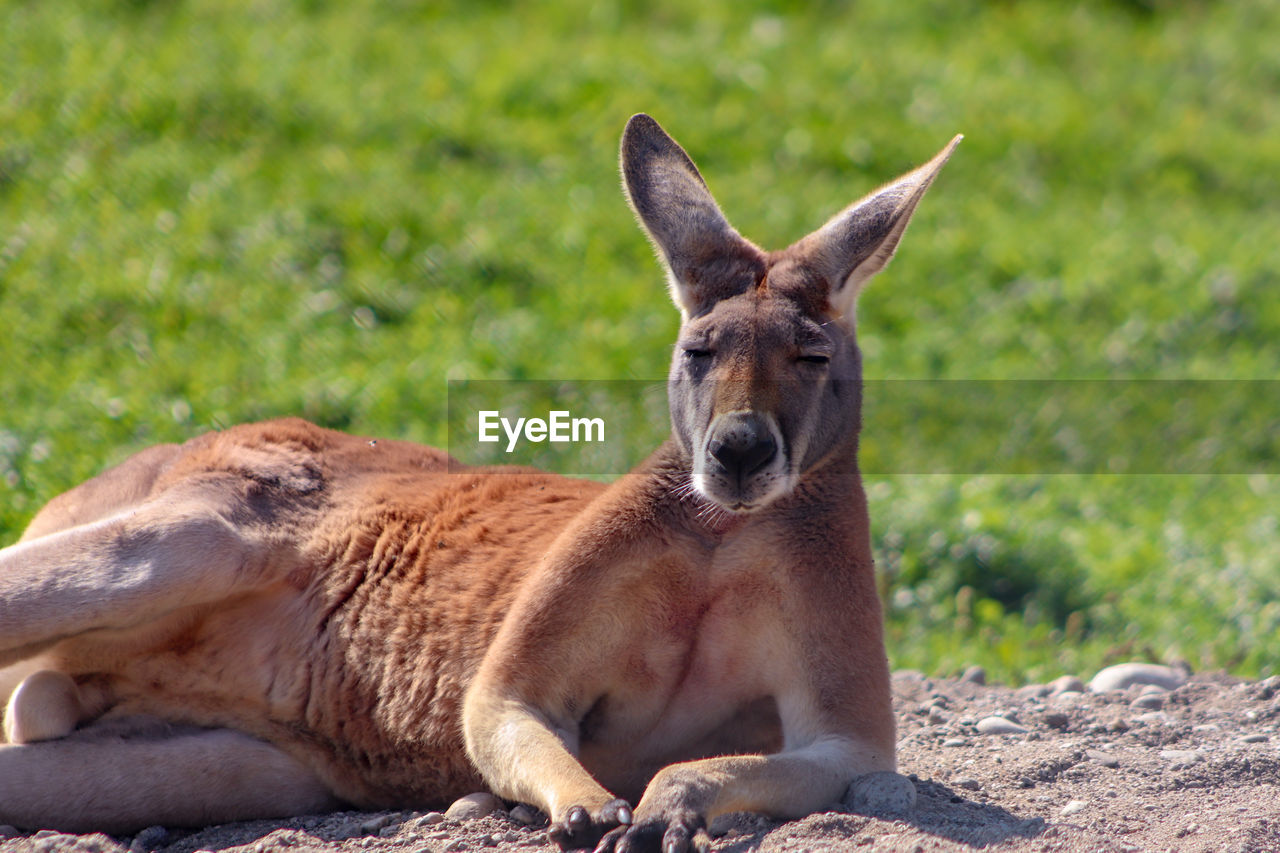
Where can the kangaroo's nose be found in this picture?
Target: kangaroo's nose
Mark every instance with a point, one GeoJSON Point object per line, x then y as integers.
{"type": "Point", "coordinates": [742, 444]}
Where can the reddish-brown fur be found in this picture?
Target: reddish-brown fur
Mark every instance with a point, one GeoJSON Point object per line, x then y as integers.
{"type": "Point", "coordinates": [330, 619]}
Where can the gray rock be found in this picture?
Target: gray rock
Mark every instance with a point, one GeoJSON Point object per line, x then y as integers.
{"type": "Point", "coordinates": [429, 819]}
{"type": "Point", "coordinates": [1057, 720]}
{"type": "Point", "coordinates": [1065, 684]}
{"type": "Point", "coordinates": [1073, 807]}
{"type": "Point", "coordinates": [975, 675]}
{"type": "Point", "coordinates": [1106, 759]}
{"type": "Point", "coordinates": [375, 823]}
{"type": "Point", "coordinates": [1179, 758]}
{"type": "Point", "coordinates": [954, 741]}
{"type": "Point", "coordinates": [1000, 726]}
{"type": "Point", "coordinates": [883, 793]}
{"type": "Point", "coordinates": [1148, 702]}
{"type": "Point", "coordinates": [472, 806]}
{"type": "Point", "coordinates": [1256, 737]}
{"type": "Point", "coordinates": [1031, 692]}
{"type": "Point", "coordinates": [523, 815]}
{"type": "Point", "coordinates": [149, 839]}
{"type": "Point", "coordinates": [1125, 675]}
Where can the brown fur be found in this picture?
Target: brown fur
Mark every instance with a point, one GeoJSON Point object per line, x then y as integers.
{"type": "Point", "coordinates": [343, 620]}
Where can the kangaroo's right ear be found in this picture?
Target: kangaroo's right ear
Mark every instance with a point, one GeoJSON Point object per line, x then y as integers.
{"type": "Point", "coordinates": [706, 259]}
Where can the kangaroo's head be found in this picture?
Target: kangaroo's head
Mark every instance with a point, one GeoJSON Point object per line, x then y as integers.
{"type": "Point", "coordinates": [766, 378]}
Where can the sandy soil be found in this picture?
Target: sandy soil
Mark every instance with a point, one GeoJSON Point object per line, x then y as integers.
{"type": "Point", "coordinates": [1195, 768]}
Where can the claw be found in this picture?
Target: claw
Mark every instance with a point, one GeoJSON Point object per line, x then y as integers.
{"type": "Point", "coordinates": [581, 830]}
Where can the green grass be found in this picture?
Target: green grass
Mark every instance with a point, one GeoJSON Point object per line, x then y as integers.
{"type": "Point", "coordinates": [214, 212]}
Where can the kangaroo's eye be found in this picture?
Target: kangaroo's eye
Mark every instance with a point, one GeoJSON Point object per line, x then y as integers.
{"type": "Point", "coordinates": [694, 354]}
{"type": "Point", "coordinates": [815, 359]}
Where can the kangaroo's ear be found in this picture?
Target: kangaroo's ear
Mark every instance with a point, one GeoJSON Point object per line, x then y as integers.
{"type": "Point", "coordinates": [706, 259]}
{"type": "Point", "coordinates": [859, 241]}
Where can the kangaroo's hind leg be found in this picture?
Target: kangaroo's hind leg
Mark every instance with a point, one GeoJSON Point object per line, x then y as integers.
{"type": "Point", "coordinates": [180, 548]}
{"type": "Point", "coordinates": [121, 775]}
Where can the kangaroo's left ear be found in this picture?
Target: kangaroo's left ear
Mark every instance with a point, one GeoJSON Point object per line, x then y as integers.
{"type": "Point", "coordinates": [859, 241]}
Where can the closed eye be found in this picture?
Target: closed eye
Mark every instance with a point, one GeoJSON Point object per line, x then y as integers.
{"type": "Point", "coordinates": [695, 353]}
{"type": "Point", "coordinates": [815, 359]}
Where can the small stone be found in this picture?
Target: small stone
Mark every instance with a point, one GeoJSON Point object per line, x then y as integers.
{"type": "Point", "coordinates": [975, 675]}
{"type": "Point", "coordinates": [1073, 807]}
{"type": "Point", "coordinates": [472, 806]}
{"type": "Point", "coordinates": [429, 819]}
{"type": "Point", "coordinates": [1057, 720]}
{"type": "Point", "coordinates": [1000, 726]}
{"type": "Point", "coordinates": [1124, 675]}
{"type": "Point", "coordinates": [1148, 702]}
{"type": "Point", "coordinates": [1065, 684]}
{"type": "Point", "coordinates": [1179, 758]}
{"type": "Point", "coordinates": [1031, 692]}
{"type": "Point", "coordinates": [388, 831]}
{"type": "Point", "coordinates": [937, 716]}
{"type": "Point", "coordinates": [883, 793]}
{"type": "Point", "coordinates": [1256, 737]}
{"type": "Point", "coordinates": [954, 741]}
{"type": "Point", "coordinates": [149, 839]}
{"type": "Point", "coordinates": [488, 841]}
{"type": "Point", "coordinates": [523, 815]}
{"type": "Point", "coordinates": [968, 784]}
{"type": "Point", "coordinates": [346, 831]}
{"type": "Point", "coordinates": [1106, 759]}
{"type": "Point", "coordinates": [373, 824]}
{"type": "Point", "coordinates": [456, 844]}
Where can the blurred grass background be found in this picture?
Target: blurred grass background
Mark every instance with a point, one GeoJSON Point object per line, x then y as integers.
{"type": "Point", "coordinates": [213, 212]}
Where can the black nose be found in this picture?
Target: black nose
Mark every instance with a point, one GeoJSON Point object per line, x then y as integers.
{"type": "Point", "coordinates": [743, 444]}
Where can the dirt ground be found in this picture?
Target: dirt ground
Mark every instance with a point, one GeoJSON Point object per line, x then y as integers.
{"type": "Point", "coordinates": [1054, 767]}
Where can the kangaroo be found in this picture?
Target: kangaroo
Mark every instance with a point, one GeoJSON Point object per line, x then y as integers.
{"type": "Point", "coordinates": [280, 619]}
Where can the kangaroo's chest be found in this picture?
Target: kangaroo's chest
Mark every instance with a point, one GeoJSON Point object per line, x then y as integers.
{"type": "Point", "coordinates": [700, 673]}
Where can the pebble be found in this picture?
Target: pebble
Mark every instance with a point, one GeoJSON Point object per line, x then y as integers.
{"type": "Point", "coordinates": [1148, 702]}
{"type": "Point", "coordinates": [954, 741]}
{"type": "Point", "coordinates": [1031, 692]}
{"type": "Point", "coordinates": [1124, 675]}
{"type": "Point", "coordinates": [1065, 684]}
{"type": "Point", "coordinates": [429, 819]}
{"type": "Point", "coordinates": [937, 716]}
{"type": "Point", "coordinates": [1257, 737]}
{"type": "Point", "coordinates": [968, 784]}
{"type": "Point", "coordinates": [883, 793]}
{"type": "Point", "coordinates": [1057, 720]}
{"type": "Point", "coordinates": [1106, 759]}
{"type": "Point", "coordinates": [473, 806]}
{"type": "Point", "coordinates": [149, 839]}
{"type": "Point", "coordinates": [1073, 807]}
{"type": "Point", "coordinates": [975, 675]}
{"type": "Point", "coordinates": [1000, 726]}
{"type": "Point", "coordinates": [346, 831]}
{"type": "Point", "coordinates": [456, 844]}
{"type": "Point", "coordinates": [523, 815]}
{"type": "Point", "coordinates": [376, 823]}
{"type": "Point", "coordinates": [1179, 758]}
